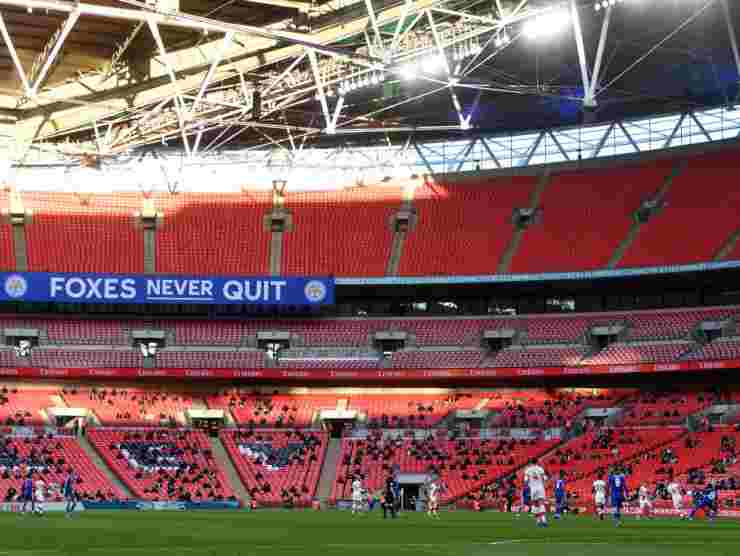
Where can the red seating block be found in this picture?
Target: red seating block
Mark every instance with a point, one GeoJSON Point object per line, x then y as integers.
{"type": "Point", "coordinates": [200, 478]}
{"type": "Point", "coordinates": [303, 454]}
{"type": "Point", "coordinates": [60, 455]}
{"type": "Point", "coordinates": [346, 233]}
{"type": "Point", "coordinates": [101, 228]}
{"type": "Point", "coordinates": [585, 216]}
{"type": "Point", "coordinates": [702, 197]}
{"type": "Point", "coordinates": [214, 234]}
{"type": "Point", "coordinates": [463, 228]}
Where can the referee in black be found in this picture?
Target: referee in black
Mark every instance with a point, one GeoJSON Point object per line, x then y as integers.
{"type": "Point", "coordinates": [389, 498]}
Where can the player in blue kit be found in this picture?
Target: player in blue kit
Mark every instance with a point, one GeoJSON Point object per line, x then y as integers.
{"type": "Point", "coordinates": [706, 500]}
{"type": "Point", "coordinates": [70, 493]}
{"type": "Point", "coordinates": [561, 502]}
{"type": "Point", "coordinates": [27, 494]}
{"type": "Point", "coordinates": [526, 499]}
{"type": "Point", "coordinates": [618, 494]}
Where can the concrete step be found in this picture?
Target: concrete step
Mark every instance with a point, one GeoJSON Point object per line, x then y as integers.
{"type": "Point", "coordinates": [636, 226]}
{"type": "Point", "coordinates": [224, 460]}
{"type": "Point", "coordinates": [329, 469]}
{"type": "Point", "coordinates": [100, 464]}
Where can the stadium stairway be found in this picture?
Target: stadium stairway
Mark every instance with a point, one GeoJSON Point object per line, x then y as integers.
{"type": "Point", "coordinates": [100, 464]}
{"type": "Point", "coordinates": [518, 235]}
{"type": "Point", "coordinates": [634, 230]}
{"type": "Point", "coordinates": [329, 469]}
{"type": "Point", "coordinates": [728, 247]}
{"type": "Point", "coordinates": [224, 460]}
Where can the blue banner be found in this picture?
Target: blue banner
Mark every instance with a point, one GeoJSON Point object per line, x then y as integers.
{"type": "Point", "coordinates": [152, 288]}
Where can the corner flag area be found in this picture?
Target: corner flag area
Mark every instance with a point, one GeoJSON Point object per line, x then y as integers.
{"type": "Point", "coordinates": [280, 533]}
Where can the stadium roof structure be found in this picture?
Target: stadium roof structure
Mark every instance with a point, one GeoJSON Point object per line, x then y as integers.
{"type": "Point", "coordinates": [93, 81]}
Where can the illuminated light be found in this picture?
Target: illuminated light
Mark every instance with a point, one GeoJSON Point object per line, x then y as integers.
{"type": "Point", "coordinates": [546, 25]}
{"type": "Point", "coordinates": [408, 71]}
{"type": "Point", "coordinates": [432, 63]}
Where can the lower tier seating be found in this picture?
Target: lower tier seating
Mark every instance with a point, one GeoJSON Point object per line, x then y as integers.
{"type": "Point", "coordinates": [163, 464]}
{"type": "Point", "coordinates": [277, 468]}
{"type": "Point", "coordinates": [52, 458]}
{"type": "Point", "coordinates": [463, 465]}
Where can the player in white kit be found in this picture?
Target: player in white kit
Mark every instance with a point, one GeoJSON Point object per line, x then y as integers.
{"type": "Point", "coordinates": [357, 496]}
{"type": "Point", "coordinates": [599, 490]}
{"type": "Point", "coordinates": [535, 477]}
{"type": "Point", "coordinates": [39, 496]}
{"type": "Point", "coordinates": [674, 489]}
{"type": "Point", "coordinates": [646, 505]}
{"type": "Point", "coordinates": [433, 499]}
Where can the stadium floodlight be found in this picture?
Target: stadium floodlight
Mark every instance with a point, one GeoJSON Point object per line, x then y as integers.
{"type": "Point", "coordinates": [432, 64]}
{"type": "Point", "coordinates": [408, 71]}
{"type": "Point", "coordinates": [545, 26]}
{"type": "Point", "coordinates": [604, 4]}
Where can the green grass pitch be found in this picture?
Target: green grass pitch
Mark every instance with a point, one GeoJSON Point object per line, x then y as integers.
{"type": "Point", "coordinates": [306, 533]}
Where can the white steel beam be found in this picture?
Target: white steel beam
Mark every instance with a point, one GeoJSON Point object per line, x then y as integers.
{"type": "Point", "coordinates": [399, 26]}
{"type": "Point", "coordinates": [700, 126]}
{"type": "Point", "coordinates": [602, 141]}
{"type": "Point", "coordinates": [590, 95]}
{"type": "Point", "coordinates": [678, 125]}
{"type": "Point", "coordinates": [219, 56]}
{"type": "Point", "coordinates": [335, 118]}
{"type": "Point", "coordinates": [466, 152]}
{"type": "Point", "coordinates": [14, 55]}
{"type": "Point", "coordinates": [423, 158]}
{"type": "Point", "coordinates": [320, 88]}
{"type": "Point", "coordinates": [69, 23]}
{"type": "Point", "coordinates": [582, 62]}
{"type": "Point", "coordinates": [490, 152]}
{"type": "Point", "coordinates": [284, 74]}
{"type": "Point", "coordinates": [376, 29]}
{"type": "Point", "coordinates": [179, 104]}
{"type": "Point", "coordinates": [558, 145]}
{"type": "Point", "coordinates": [533, 149]}
{"type": "Point", "coordinates": [464, 124]}
{"type": "Point", "coordinates": [629, 137]}
{"type": "Point", "coordinates": [733, 35]}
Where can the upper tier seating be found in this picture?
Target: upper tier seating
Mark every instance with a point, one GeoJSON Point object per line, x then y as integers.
{"type": "Point", "coordinates": [80, 331]}
{"type": "Point", "coordinates": [722, 348]}
{"type": "Point", "coordinates": [249, 359]}
{"type": "Point", "coordinates": [7, 250]}
{"type": "Point", "coordinates": [436, 359]}
{"type": "Point", "coordinates": [462, 465]}
{"type": "Point", "coordinates": [664, 408]}
{"type": "Point", "coordinates": [346, 233]}
{"type": "Point", "coordinates": [641, 352]}
{"type": "Point", "coordinates": [81, 358]}
{"type": "Point", "coordinates": [24, 407]}
{"type": "Point", "coordinates": [463, 228]}
{"type": "Point", "coordinates": [418, 410]}
{"type": "Point", "coordinates": [542, 409]}
{"type": "Point", "coordinates": [586, 215]}
{"type": "Point", "coordinates": [163, 464]}
{"type": "Point", "coordinates": [272, 410]}
{"type": "Point", "coordinates": [277, 468]}
{"type": "Point", "coordinates": [52, 458]}
{"type": "Point", "coordinates": [130, 406]}
{"type": "Point", "coordinates": [701, 211]}
{"type": "Point", "coordinates": [534, 356]}
{"type": "Point", "coordinates": [70, 233]}
{"type": "Point", "coordinates": [214, 234]}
